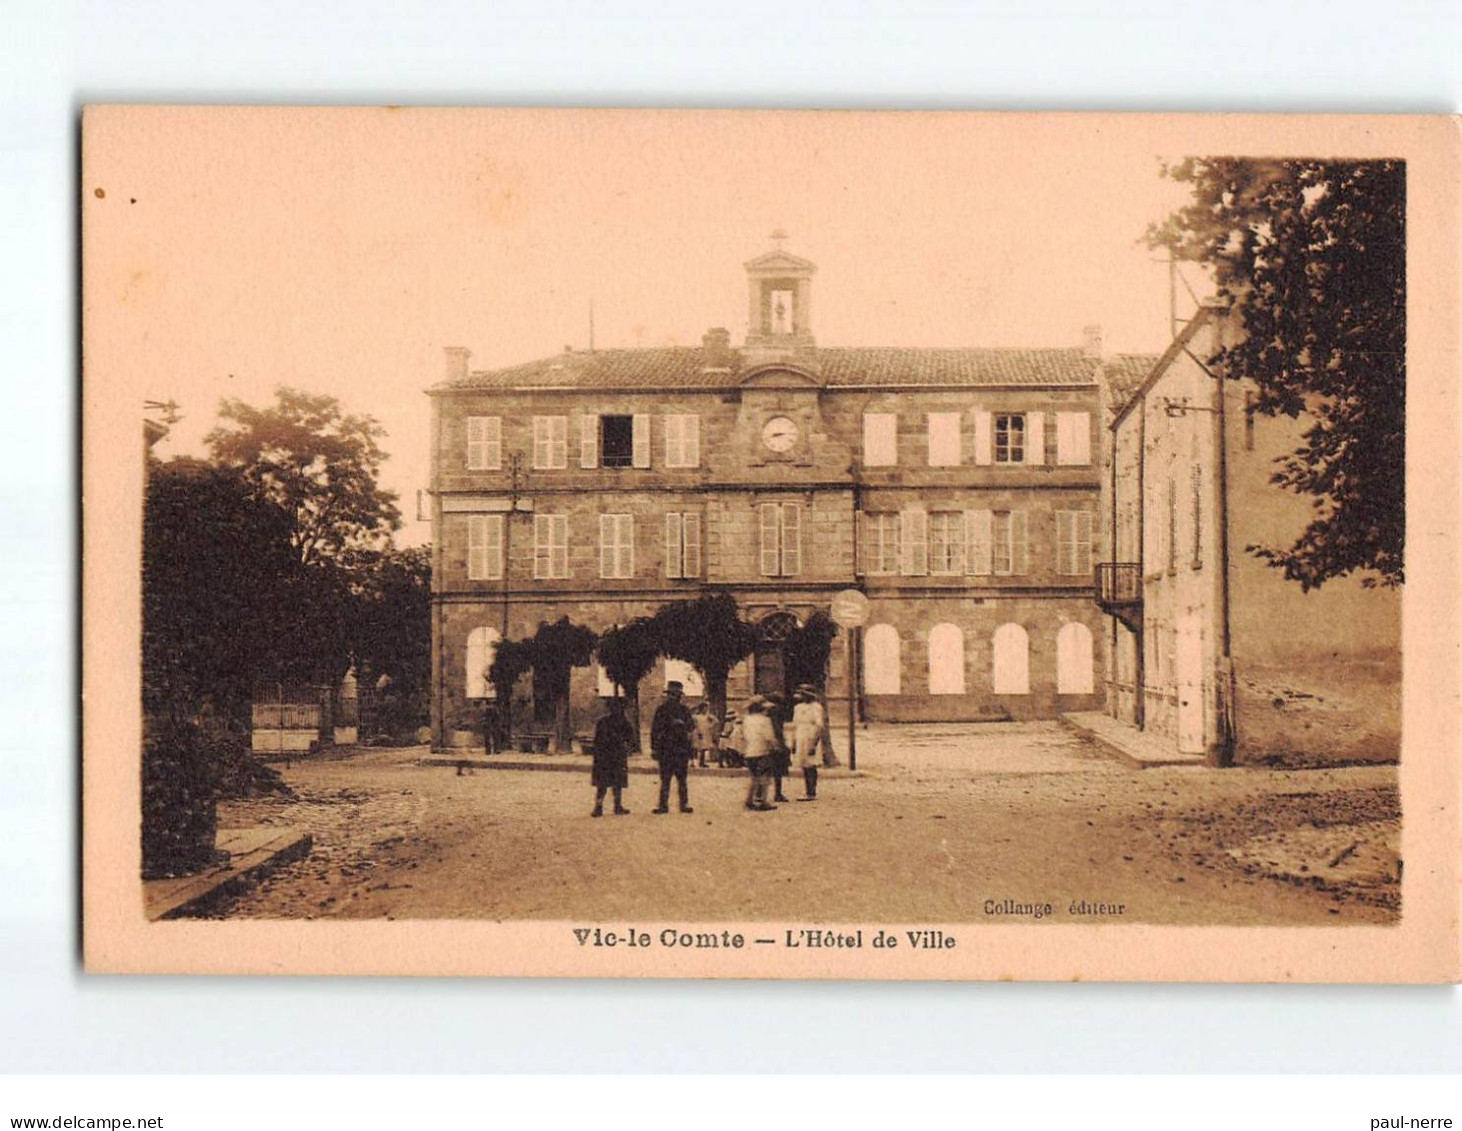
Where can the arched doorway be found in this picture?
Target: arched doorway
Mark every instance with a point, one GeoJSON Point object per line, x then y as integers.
{"type": "Point", "coordinates": [772, 675]}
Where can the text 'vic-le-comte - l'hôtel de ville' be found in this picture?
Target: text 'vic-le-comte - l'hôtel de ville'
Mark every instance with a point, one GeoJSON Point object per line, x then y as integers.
{"type": "Point", "coordinates": [958, 488]}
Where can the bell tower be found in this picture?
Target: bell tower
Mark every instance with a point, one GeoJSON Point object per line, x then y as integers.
{"type": "Point", "coordinates": [779, 318]}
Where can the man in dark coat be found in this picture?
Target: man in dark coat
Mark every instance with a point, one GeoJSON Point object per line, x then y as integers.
{"type": "Point", "coordinates": [670, 745]}
{"type": "Point", "coordinates": [782, 759]}
{"type": "Point", "coordinates": [614, 738]}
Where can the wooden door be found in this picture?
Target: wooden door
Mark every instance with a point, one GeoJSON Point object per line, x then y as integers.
{"type": "Point", "coordinates": [1189, 663]}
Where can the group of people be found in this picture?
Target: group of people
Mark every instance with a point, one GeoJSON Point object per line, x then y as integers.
{"type": "Point", "coordinates": [757, 737]}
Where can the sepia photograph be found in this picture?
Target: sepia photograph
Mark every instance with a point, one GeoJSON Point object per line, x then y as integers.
{"type": "Point", "coordinates": [783, 544]}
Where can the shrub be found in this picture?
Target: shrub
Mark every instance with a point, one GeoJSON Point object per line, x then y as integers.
{"type": "Point", "coordinates": [181, 780]}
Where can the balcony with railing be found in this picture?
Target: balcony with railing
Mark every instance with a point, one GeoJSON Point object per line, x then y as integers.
{"type": "Point", "coordinates": [1118, 590]}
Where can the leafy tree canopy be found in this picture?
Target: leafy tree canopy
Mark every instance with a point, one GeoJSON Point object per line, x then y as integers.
{"type": "Point", "coordinates": [1310, 255]}
{"type": "Point", "coordinates": [709, 634]}
{"type": "Point", "coordinates": [307, 455]}
{"type": "Point", "coordinates": [628, 653]}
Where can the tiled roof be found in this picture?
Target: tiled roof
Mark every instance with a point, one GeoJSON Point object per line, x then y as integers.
{"type": "Point", "coordinates": [687, 368]}
{"type": "Point", "coordinates": [1125, 371]}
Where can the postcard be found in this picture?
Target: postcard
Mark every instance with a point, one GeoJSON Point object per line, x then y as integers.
{"type": "Point", "coordinates": [770, 544]}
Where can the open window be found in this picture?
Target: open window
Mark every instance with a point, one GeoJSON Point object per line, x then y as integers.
{"type": "Point", "coordinates": [617, 441]}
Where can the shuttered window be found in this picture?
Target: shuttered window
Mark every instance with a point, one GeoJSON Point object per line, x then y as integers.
{"type": "Point", "coordinates": [984, 444]}
{"type": "Point", "coordinates": [682, 544]}
{"type": "Point", "coordinates": [1073, 438]}
{"type": "Point", "coordinates": [1197, 516]}
{"type": "Point", "coordinates": [944, 439]}
{"type": "Point", "coordinates": [1035, 438]}
{"type": "Point", "coordinates": [683, 440]}
{"type": "Point", "coordinates": [550, 546]}
{"type": "Point", "coordinates": [641, 440]}
{"type": "Point", "coordinates": [588, 441]}
{"type": "Point", "coordinates": [550, 442]}
{"type": "Point", "coordinates": [780, 525]}
{"type": "Point", "coordinates": [484, 443]}
{"type": "Point", "coordinates": [1172, 546]}
{"type": "Point", "coordinates": [1073, 543]}
{"type": "Point", "coordinates": [978, 537]}
{"type": "Point", "coordinates": [616, 545]}
{"type": "Point", "coordinates": [791, 539]}
{"type": "Point", "coordinates": [913, 542]}
{"type": "Point", "coordinates": [880, 439]}
{"type": "Point", "coordinates": [484, 547]}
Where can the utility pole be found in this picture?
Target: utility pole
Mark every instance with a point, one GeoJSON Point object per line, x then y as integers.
{"type": "Point", "coordinates": [515, 491]}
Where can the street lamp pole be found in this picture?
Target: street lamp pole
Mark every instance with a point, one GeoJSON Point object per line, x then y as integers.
{"type": "Point", "coordinates": [515, 474]}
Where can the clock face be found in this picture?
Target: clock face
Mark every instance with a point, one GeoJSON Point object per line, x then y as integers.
{"type": "Point", "coordinates": [779, 434]}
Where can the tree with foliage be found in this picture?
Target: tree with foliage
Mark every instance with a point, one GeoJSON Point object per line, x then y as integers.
{"type": "Point", "coordinates": [316, 461]}
{"type": "Point", "coordinates": [709, 634]}
{"type": "Point", "coordinates": [389, 631]}
{"type": "Point", "coordinates": [628, 653]}
{"type": "Point", "coordinates": [559, 647]}
{"type": "Point", "coordinates": [511, 660]}
{"type": "Point", "coordinates": [808, 649]}
{"type": "Point", "coordinates": [1311, 256]}
{"type": "Point", "coordinates": [223, 592]}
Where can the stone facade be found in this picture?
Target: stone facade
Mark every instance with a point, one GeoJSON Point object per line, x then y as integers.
{"type": "Point", "coordinates": [783, 470]}
{"type": "Point", "coordinates": [1207, 606]}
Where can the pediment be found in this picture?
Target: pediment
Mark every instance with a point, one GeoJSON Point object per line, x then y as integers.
{"type": "Point", "coordinates": [780, 261]}
{"type": "Point", "coordinates": [779, 375]}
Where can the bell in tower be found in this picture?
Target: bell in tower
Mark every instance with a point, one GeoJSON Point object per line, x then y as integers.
{"type": "Point", "coordinates": [780, 316]}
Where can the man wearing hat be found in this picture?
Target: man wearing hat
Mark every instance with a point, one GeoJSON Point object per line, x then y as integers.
{"type": "Point", "coordinates": [670, 745]}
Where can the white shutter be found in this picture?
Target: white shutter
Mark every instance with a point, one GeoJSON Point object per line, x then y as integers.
{"type": "Point", "coordinates": [692, 439]}
{"type": "Point", "coordinates": [692, 544]}
{"type": "Point", "coordinates": [476, 547]}
{"type": "Point", "coordinates": [1065, 541]}
{"type": "Point", "coordinates": [880, 439]}
{"type": "Point", "coordinates": [1035, 438]}
{"type": "Point", "coordinates": [493, 546]}
{"type": "Point", "coordinates": [641, 440]}
{"type": "Point", "coordinates": [1073, 438]}
{"type": "Point", "coordinates": [672, 545]}
{"type": "Point", "coordinates": [558, 441]}
{"type": "Point", "coordinates": [476, 457]}
{"type": "Point", "coordinates": [492, 443]}
{"type": "Point", "coordinates": [984, 437]}
{"type": "Point", "coordinates": [625, 566]}
{"type": "Point", "coordinates": [770, 549]}
{"type": "Point", "coordinates": [914, 542]}
{"type": "Point", "coordinates": [977, 537]}
{"type": "Point", "coordinates": [540, 441]}
{"type": "Point", "coordinates": [791, 539]}
{"type": "Point", "coordinates": [1081, 557]}
{"type": "Point", "coordinates": [589, 440]}
{"type": "Point", "coordinates": [607, 530]}
{"type": "Point", "coordinates": [559, 545]}
{"type": "Point", "coordinates": [944, 439]}
{"type": "Point", "coordinates": [674, 441]}
{"type": "Point", "coordinates": [1019, 540]}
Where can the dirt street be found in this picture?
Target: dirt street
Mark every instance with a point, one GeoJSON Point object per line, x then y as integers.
{"type": "Point", "coordinates": [954, 824]}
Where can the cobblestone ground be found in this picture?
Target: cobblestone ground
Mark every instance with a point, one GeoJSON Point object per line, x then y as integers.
{"type": "Point", "coordinates": [945, 824]}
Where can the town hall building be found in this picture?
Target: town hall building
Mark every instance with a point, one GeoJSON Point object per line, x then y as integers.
{"type": "Point", "coordinates": [957, 488]}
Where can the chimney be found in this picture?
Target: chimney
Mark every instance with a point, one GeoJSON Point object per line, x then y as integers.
{"type": "Point", "coordinates": [716, 342]}
{"type": "Point", "coordinates": [1091, 341]}
{"type": "Point", "coordinates": [457, 362]}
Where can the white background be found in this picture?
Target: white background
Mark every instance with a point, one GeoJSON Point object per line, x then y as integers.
{"type": "Point", "coordinates": [1000, 55]}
